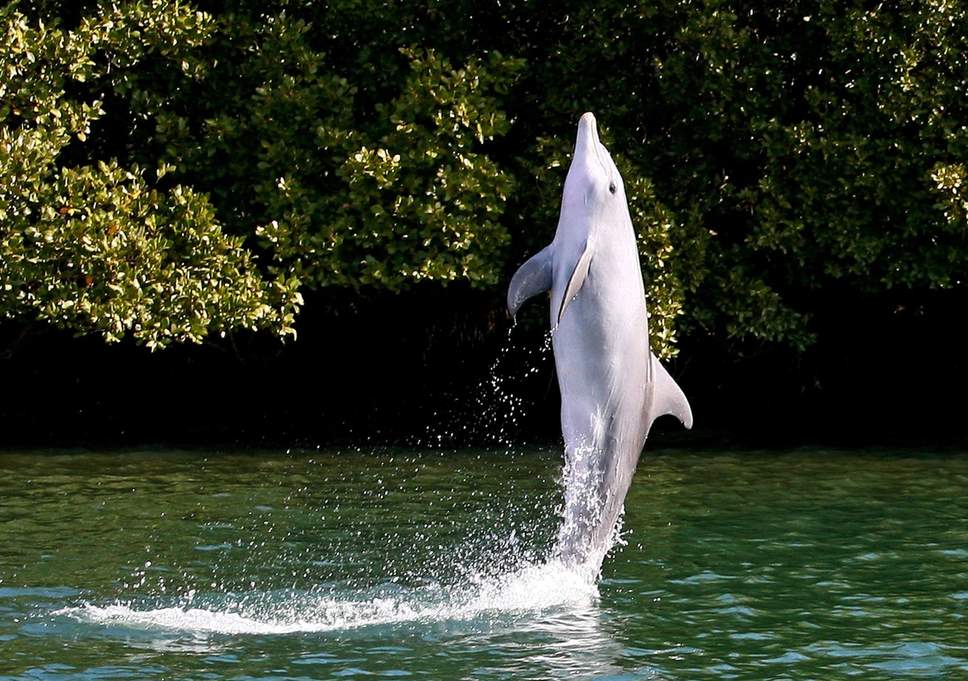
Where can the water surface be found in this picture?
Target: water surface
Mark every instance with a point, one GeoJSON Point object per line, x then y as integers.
{"type": "Point", "coordinates": [358, 564]}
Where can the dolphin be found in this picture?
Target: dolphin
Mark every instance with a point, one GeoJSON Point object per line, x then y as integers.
{"type": "Point", "coordinates": [612, 387]}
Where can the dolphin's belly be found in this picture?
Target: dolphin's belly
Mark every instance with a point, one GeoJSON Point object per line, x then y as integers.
{"type": "Point", "coordinates": [601, 357]}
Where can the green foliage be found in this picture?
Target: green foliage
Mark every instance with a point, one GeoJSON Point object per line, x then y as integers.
{"type": "Point", "coordinates": [773, 155]}
{"type": "Point", "coordinates": [415, 201]}
{"type": "Point", "coordinates": [864, 186]}
{"type": "Point", "coordinates": [400, 195]}
{"type": "Point", "coordinates": [92, 246]}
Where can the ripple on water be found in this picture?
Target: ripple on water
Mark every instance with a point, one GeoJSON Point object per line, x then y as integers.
{"type": "Point", "coordinates": [904, 658]}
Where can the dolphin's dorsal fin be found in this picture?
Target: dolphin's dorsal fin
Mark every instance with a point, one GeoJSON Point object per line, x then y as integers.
{"type": "Point", "coordinates": [576, 280]}
{"type": "Point", "coordinates": [532, 278]}
{"type": "Point", "coordinates": [667, 397]}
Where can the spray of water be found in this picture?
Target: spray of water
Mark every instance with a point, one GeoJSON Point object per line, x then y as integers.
{"type": "Point", "coordinates": [492, 412]}
{"type": "Point", "coordinates": [543, 588]}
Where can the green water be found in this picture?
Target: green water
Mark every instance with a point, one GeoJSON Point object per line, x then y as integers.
{"type": "Point", "coordinates": [317, 565]}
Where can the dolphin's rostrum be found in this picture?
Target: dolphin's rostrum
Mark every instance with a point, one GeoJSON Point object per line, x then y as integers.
{"type": "Point", "coordinates": [612, 386]}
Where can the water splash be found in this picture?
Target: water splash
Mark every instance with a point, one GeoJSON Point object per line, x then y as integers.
{"type": "Point", "coordinates": [581, 483]}
{"type": "Point", "coordinates": [497, 409]}
{"type": "Point", "coordinates": [531, 589]}
{"type": "Point", "coordinates": [493, 411]}
{"type": "Point", "coordinates": [580, 541]}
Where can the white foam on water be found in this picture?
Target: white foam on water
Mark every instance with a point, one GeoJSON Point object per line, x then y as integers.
{"type": "Point", "coordinates": [533, 588]}
{"type": "Point", "coordinates": [328, 615]}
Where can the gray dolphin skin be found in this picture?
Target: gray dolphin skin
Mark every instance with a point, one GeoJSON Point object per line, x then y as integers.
{"type": "Point", "coordinates": [612, 386]}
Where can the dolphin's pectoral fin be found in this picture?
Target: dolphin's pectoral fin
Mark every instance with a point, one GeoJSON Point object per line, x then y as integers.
{"type": "Point", "coordinates": [668, 397]}
{"type": "Point", "coordinates": [532, 278]}
{"type": "Point", "coordinates": [575, 281]}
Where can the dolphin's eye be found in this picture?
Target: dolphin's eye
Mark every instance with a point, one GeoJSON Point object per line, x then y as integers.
{"type": "Point", "coordinates": [611, 187]}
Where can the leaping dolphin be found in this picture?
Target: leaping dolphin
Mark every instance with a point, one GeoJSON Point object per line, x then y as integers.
{"type": "Point", "coordinates": [612, 387]}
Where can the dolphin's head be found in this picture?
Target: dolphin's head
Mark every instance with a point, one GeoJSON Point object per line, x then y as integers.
{"type": "Point", "coordinates": [593, 188]}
